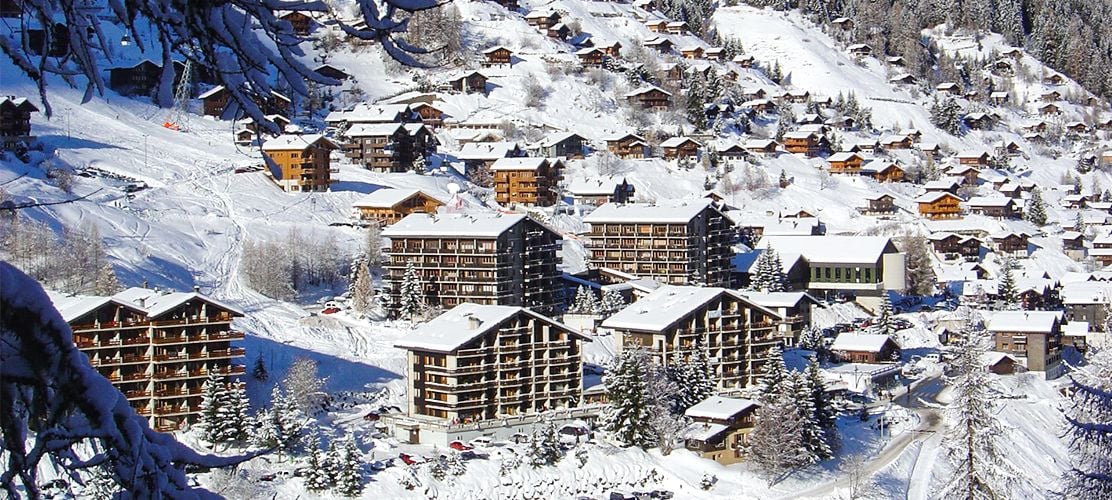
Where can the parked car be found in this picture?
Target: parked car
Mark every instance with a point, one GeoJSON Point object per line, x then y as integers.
{"type": "Point", "coordinates": [473, 455]}
{"type": "Point", "coordinates": [460, 446]}
{"type": "Point", "coordinates": [481, 442]}
{"type": "Point", "coordinates": [519, 438]}
{"type": "Point", "coordinates": [410, 459]}
{"type": "Point", "coordinates": [330, 310]}
{"type": "Point", "coordinates": [268, 477]}
{"type": "Point", "coordinates": [371, 417]}
{"type": "Point", "coordinates": [380, 465]}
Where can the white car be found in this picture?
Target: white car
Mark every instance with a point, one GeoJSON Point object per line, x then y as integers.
{"type": "Point", "coordinates": [481, 442]}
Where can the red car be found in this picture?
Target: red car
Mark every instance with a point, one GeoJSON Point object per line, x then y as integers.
{"type": "Point", "coordinates": [330, 310]}
{"type": "Point", "coordinates": [460, 446]}
{"type": "Point", "coordinates": [371, 417]}
{"type": "Point", "coordinates": [409, 459]}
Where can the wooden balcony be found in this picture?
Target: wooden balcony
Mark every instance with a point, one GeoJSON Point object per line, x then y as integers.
{"type": "Point", "coordinates": [210, 337]}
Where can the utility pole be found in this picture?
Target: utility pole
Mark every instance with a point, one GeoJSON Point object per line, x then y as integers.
{"type": "Point", "coordinates": [145, 165]}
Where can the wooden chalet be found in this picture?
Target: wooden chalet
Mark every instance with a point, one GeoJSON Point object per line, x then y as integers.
{"type": "Point", "coordinates": [948, 88]}
{"type": "Point", "coordinates": [300, 162]}
{"type": "Point", "coordinates": [939, 205]}
{"type": "Point", "coordinates": [611, 49]}
{"type": "Point", "coordinates": [676, 28]}
{"type": "Point", "coordinates": [660, 44]}
{"type": "Point", "coordinates": [559, 31]}
{"type": "Point", "coordinates": [651, 97]}
{"type": "Point", "coordinates": [1049, 109]}
{"type": "Point", "coordinates": [880, 204]}
{"type": "Point", "coordinates": [1054, 79]}
{"type": "Point", "coordinates": [999, 98]}
{"type": "Point", "coordinates": [714, 53]}
{"type": "Point", "coordinates": [498, 56]}
{"type": "Point", "coordinates": [860, 50]}
{"type": "Point", "coordinates": [142, 79]}
{"type": "Point", "coordinates": [802, 142]}
{"type": "Point", "coordinates": [762, 147]}
{"type": "Point", "coordinates": [526, 181]}
{"type": "Point", "coordinates": [720, 428]}
{"type": "Point", "coordinates": [15, 121]}
{"type": "Point", "coordinates": [1012, 244]}
{"type": "Point", "coordinates": [217, 99]}
{"type": "Point", "coordinates": [469, 83]}
{"type": "Point", "coordinates": [977, 121]}
{"type": "Point", "coordinates": [883, 171]}
{"type": "Point", "coordinates": [387, 206]}
{"type": "Point", "coordinates": [301, 22]}
{"type": "Point", "coordinates": [846, 163]}
{"type": "Point", "coordinates": [430, 114]}
{"type": "Point", "coordinates": [542, 19]}
{"type": "Point", "coordinates": [903, 79]}
{"type": "Point", "coordinates": [744, 60]}
{"type": "Point", "coordinates": [865, 348]}
{"type": "Point", "coordinates": [973, 158]}
{"type": "Point", "coordinates": [844, 23]}
{"type": "Point", "coordinates": [656, 25]}
{"type": "Point", "coordinates": [591, 57]}
{"type": "Point", "coordinates": [896, 61]}
{"type": "Point", "coordinates": [564, 144]}
{"type": "Point", "coordinates": [999, 207]}
{"type": "Point", "coordinates": [330, 71]}
{"type": "Point", "coordinates": [629, 146]}
{"type": "Point", "coordinates": [596, 192]}
{"type": "Point", "coordinates": [731, 151]}
{"type": "Point", "coordinates": [955, 246]}
{"type": "Point", "coordinates": [896, 141]}
{"type": "Point", "coordinates": [680, 147]}
{"type": "Point", "coordinates": [694, 52]}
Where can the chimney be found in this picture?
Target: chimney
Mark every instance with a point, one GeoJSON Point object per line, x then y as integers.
{"type": "Point", "coordinates": [473, 323]}
{"type": "Point", "coordinates": [146, 284]}
{"type": "Point", "coordinates": [142, 302]}
{"type": "Point", "coordinates": [196, 289]}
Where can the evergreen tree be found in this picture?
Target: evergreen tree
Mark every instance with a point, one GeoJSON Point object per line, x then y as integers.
{"type": "Point", "coordinates": [612, 301]}
{"type": "Point", "coordinates": [209, 421]}
{"type": "Point", "coordinates": [783, 181]}
{"type": "Point", "coordinates": [316, 475]}
{"type": "Point", "coordinates": [333, 462]}
{"type": "Point", "coordinates": [975, 441]}
{"type": "Point", "coordinates": [550, 451]}
{"type": "Point", "coordinates": [585, 302]}
{"type": "Point", "coordinates": [882, 323]}
{"type": "Point", "coordinates": [693, 377]}
{"type": "Point", "coordinates": [412, 299]}
{"type": "Point", "coordinates": [1088, 429]}
{"type": "Point", "coordinates": [638, 390]}
{"type": "Point", "coordinates": [696, 104]}
{"type": "Point", "coordinates": [259, 371]}
{"type": "Point", "coordinates": [776, 443]}
{"type": "Point", "coordinates": [810, 432]}
{"type": "Point", "coordinates": [768, 273]}
{"type": "Point", "coordinates": [1036, 208]}
{"type": "Point", "coordinates": [774, 375]}
{"type": "Point", "coordinates": [281, 426]}
{"type": "Point", "coordinates": [349, 480]}
{"type": "Point", "coordinates": [234, 414]}
{"type": "Point", "coordinates": [825, 415]}
{"type": "Point", "coordinates": [921, 278]}
{"type": "Point", "coordinates": [811, 338]}
{"type": "Point", "coordinates": [1006, 288]}
{"type": "Point", "coordinates": [536, 451]}
{"type": "Point", "coordinates": [362, 287]}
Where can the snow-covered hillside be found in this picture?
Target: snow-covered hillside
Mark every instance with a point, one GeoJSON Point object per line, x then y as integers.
{"type": "Point", "coordinates": [191, 213]}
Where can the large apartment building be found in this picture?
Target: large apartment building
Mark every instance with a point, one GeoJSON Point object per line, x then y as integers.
{"type": "Point", "coordinates": [1034, 337]}
{"type": "Point", "coordinates": [387, 147]}
{"type": "Point", "coordinates": [156, 347]}
{"type": "Point", "coordinates": [301, 162]}
{"type": "Point", "coordinates": [482, 362]}
{"type": "Point", "coordinates": [673, 321]}
{"type": "Point", "coordinates": [526, 181]}
{"type": "Point", "coordinates": [486, 258]}
{"type": "Point", "coordinates": [679, 243]}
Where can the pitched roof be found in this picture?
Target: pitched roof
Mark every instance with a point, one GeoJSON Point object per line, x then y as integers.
{"type": "Point", "coordinates": [935, 196]}
{"type": "Point", "coordinates": [479, 225]}
{"type": "Point", "coordinates": [831, 249]}
{"type": "Point", "coordinates": [720, 407]}
{"type": "Point", "coordinates": [778, 299]}
{"type": "Point", "coordinates": [154, 302]}
{"type": "Point", "coordinates": [646, 89]}
{"type": "Point", "coordinates": [374, 129]}
{"type": "Point", "coordinates": [386, 198]}
{"type": "Point", "coordinates": [672, 211]}
{"type": "Point", "coordinates": [668, 304]}
{"type": "Point", "coordinates": [486, 150]}
{"type": "Point", "coordinates": [455, 328]}
{"type": "Point", "coordinates": [518, 163]}
{"type": "Point", "coordinates": [293, 142]}
{"type": "Point", "coordinates": [867, 342]}
{"type": "Point", "coordinates": [675, 142]}
{"type": "Point", "coordinates": [1023, 321]}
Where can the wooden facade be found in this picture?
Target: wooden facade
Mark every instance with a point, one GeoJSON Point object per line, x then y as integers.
{"type": "Point", "coordinates": [497, 56]}
{"type": "Point", "coordinates": [157, 348]}
{"type": "Point", "coordinates": [846, 163]}
{"type": "Point", "coordinates": [387, 207]}
{"type": "Point", "coordinates": [526, 181]}
{"type": "Point", "coordinates": [303, 162]}
{"type": "Point", "coordinates": [15, 121]}
{"type": "Point", "coordinates": [940, 205]}
{"type": "Point", "coordinates": [652, 98]}
{"type": "Point", "coordinates": [628, 146]}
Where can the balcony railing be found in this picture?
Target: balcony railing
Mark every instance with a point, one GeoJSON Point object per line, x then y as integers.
{"type": "Point", "coordinates": [209, 337]}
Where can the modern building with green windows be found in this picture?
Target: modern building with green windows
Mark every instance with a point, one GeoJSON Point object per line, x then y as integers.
{"type": "Point", "coordinates": [860, 267]}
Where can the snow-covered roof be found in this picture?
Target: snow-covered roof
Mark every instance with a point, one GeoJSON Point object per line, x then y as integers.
{"type": "Point", "coordinates": [990, 201]}
{"type": "Point", "coordinates": [778, 299]}
{"type": "Point", "coordinates": [373, 129]}
{"type": "Point", "coordinates": [674, 142]}
{"type": "Point", "coordinates": [831, 249]}
{"type": "Point", "coordinates": [864, 342]}
{"type": "Point", "coordinates": [292, 142]}
{"type": "Point", "coordinates": [992, 358]}
{"type": "Point", "coordinates": [668, 304]}
{"type": "Point", "coordinates": [844, 156]}
{"type": "Point", "coordinates": [466, 322]}
{"type": "Point", "coordinates": [479, 225]}
{"type": "Point", "coordinates": [703, 431]}
{"type": "Point", "coordinates": [72, 307]}
{"type": "Point", "coordinates": [518, 163]}
{"type": "Point", "coordinates": [152, 302]}
{"type": "Point", "coordinates": [799, 134]}
{"type": "Point", "coordinates": [672, 211]}
{"type": "Point", "coordinates": [496, 48]}
{"type": "Point", "coordinates": [934, 196]}
{"type": "Point", "coordinates": [1023, 321]}
{"type": "Point", "coordinates": [944, 183]}
{"type": "Point", "coordinates": [593, 186]}
{"type": "Point", "coordinates": [486, 150]}
{"type": "Point", "coordinates": [1086, 292]}
{"type": "Point", "coordinates": [386, 198]}
{"type": "Point", "coordinates": [371, 113]}
{"type": "Point", "coordinates": [646, 89]}
{"type": "Point", "coordinates": [720, 408]}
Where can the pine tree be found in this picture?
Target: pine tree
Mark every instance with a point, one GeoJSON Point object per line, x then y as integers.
{"type": "Point", "coordinates": [281, 426]}
{"type": "Point", "coordinates": [1036, 208]}
{"type": "Point", "coordinates": [774, 376]}
{"type": "Point", "coordinates": [362, 287]}
{"type": "Point", "coordinates": [1006, 288]}
{"type": "Point", "coordinates": [632, 405]}
{"type": "Point", "coordinates": [349, 481]}
{"type": "Point", "coordinates": [212, 391]}
{"type": "Point", "coordinates": [1087, 427]}
{"type": "Point", "coordinates": [768, 273]}
{"type": "Point", "coordinates": [259, 371]}
{"type": "Point", "coordinates": [333, 462]}
{"type": "Point", "coordinates": [550, 445]}
{"type": "Point", "coordinates": [412, 304]}
{"type": "Point", "coordinates": [316, 476]}
{"type": "Point", "coordinates": [585, 302]}
{"type": "Point", "coordinates": [825, 414]}
{"type": "Point", "coordinates": [234, 414]}
{"type": "Point", "coordinates": [810, 432]}
{"type": "Point", "coordinates": [811, 338]}
{"type": "Point", "coordinates": [612, 301]}
{"type": "Point", "coordinates": [882, 323]}
{"type": "Point", "coordinates": [693, 378]}
{"type": "Point", "coordinates": [921, 278]}
{"type": "Point", "coordinates": [975, 441]}
{"type": "Point", "coordinates": [536, 451]}
{"type": "Point", "coordinates": [696, 104]}
{"type": "Point", "coordinates": [776, 443]}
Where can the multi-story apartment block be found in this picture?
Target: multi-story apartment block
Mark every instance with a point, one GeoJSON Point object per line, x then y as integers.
{"type": "Point", "coordinates": [301, 162]}
{"type": "Point", "coordinates": [526, 181]}
{"type": "Point", "coordinates": [157, 347]}
{"type": "Point", "coordinates": [486, 258]}
{"type": "Point", "coordinates": [679, 243]}
{"type": "Point", "coordinates": [382, 147]}
{"type": "Point", "coordinates": [673, 321]}
{"type": "Point", "coordinates": [1035, 337]}
{"type": "Point", "coordinates": [481, 362]}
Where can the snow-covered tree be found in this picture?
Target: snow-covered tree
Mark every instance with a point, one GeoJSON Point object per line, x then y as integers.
{"type": "Point", "coordinates": [638, 389]}
{"type": "Point", "coordinates": [234, 414]}
{"type": "Point", "coordinates": [776, 444]}
{"type": "Point", "coordinates": [811, 338]}
{"type": "Point", "coordinates": [51, 393]}
{"type": "Point", "coordinates": [975, 441]}
{"type": "Point", "coordinates": [812, 433]}
{"type": "Point", "coordinates": [825, 414]}
{"type": "Point", "coordinates": [946, 115]}
{"type": "Point", "coordinates": [921, 278]}
{"type": "Point", "coordinates": [412, 301]}
{"type": "Point", "coordinates": [212, 391]}
{"type": "Point", "coordinates": [1089, 429]}
{"type": "Point", "coordinates": [100, 485]}
{"type": "Point", "coordinates": [1006, 288]}
{"type": "Point", "coordinates": [693, 377]}
{"type": "Point", "coordinates": [349, 480]}
{"type": "Point", "coordinates": [774, 375]}
{"type": "Point", "coordinates": [362, 287]}
{"type": "Point", "coordinates": [768, 273]}
{"type": "Point", "coordinates": [585, 302]}
{"type": "Point", "coordinates": [316, 474]}
{"type": "Point", "coordinates": [303, 385]}
{"type": "Point", "coordinates": [1036, 208]}
{"type": "Point", "coordinates": [281, 426]}
{"type": "Point", "coordinates": [544, 448]}
{"type": "Point", "coordinates": [882, 323]}
{"type": "Point", "coordinates": [612, 301]}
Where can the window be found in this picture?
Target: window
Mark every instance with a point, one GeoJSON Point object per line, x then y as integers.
{"type": "Point", "coordinates": [868, 275]}
{"type": "Point", "coordinates": [827, 273]}
{"type": "Point", "coordinates": [837, 274]}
